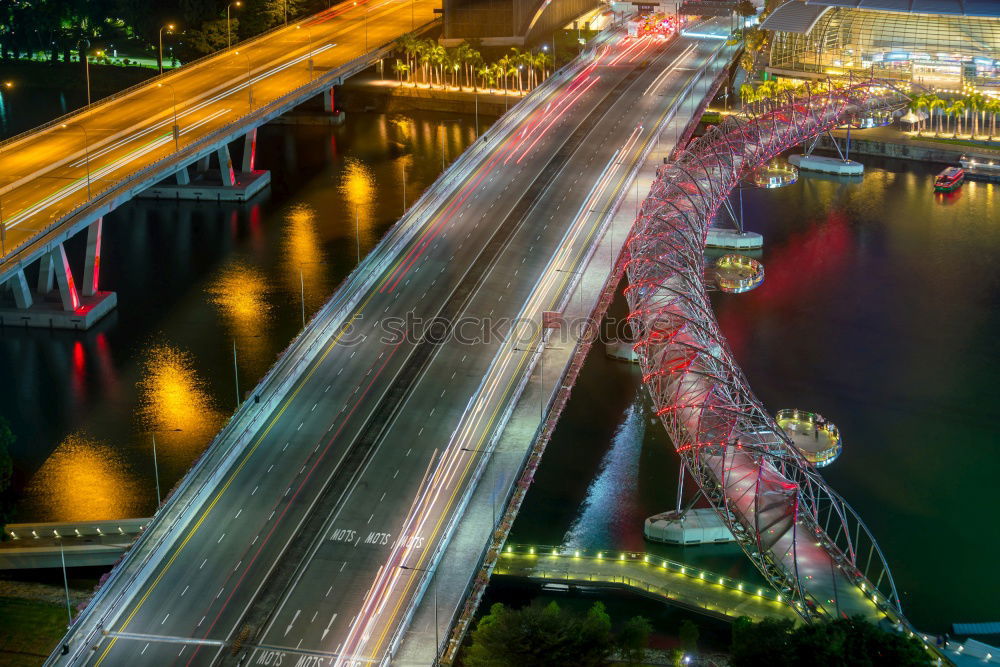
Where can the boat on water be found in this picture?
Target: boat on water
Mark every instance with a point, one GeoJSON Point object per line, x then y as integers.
{"type": "Point", "coordinates": [949, 180]}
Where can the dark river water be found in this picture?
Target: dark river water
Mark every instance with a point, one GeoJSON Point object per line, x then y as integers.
{"type": "Point", "coordinates": [877, 311]}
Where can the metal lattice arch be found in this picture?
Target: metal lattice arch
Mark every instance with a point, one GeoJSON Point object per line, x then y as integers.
{"type": "Point", "coordinates": [805, 539]}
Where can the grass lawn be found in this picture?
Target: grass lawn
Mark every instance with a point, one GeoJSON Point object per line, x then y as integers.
{"type": "Point", "coordinates": [29, 630]}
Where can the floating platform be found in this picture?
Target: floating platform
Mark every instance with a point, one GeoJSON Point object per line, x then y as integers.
{"type": "Point", "coordinates": [50, 314]}
{"type": "Point", "coordinates": [208, 186]}
{"type": "Point", "coordinates": [696, 526]}
{"type": "Point", "coordinates": [981, 170]}
{"type": "Point", "coordinates": [817, 439]}
{"type": "Point", "coordinates": [827, 165]}
{"type": "Point", "coordinates": [736, 274]}
{"type": "Point", "coordinates": [733, 240]}
{"type": "Point", "coordinates": [621, 350]}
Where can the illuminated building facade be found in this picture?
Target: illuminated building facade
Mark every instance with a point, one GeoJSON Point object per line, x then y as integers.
{"type": "Point", "coordinates": [944, 43]}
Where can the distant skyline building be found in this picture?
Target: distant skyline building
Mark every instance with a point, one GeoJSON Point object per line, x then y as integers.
{"type": "Point", "coordinates": [509, 22]}
{"type": "Point", "coordinates": [940, 43]}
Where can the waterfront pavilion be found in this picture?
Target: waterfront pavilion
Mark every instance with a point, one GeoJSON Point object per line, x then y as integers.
{"type": "Point", "coordinates": [935, 43]}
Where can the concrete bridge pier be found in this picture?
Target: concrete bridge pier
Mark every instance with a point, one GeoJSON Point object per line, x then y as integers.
{"type": "Point", "coordinates": [223, 183]}
{"type": "Point", "coordinates": [57, 302]}
{"type": "Point", "coordinates": [312, 113]}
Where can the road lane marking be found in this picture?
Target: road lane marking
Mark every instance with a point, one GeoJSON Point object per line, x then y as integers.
{"type": "Point", "coordinates": [428, 227]}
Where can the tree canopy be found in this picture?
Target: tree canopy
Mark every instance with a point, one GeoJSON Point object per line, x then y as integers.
{"type": "Point", "coordinates": [550, 636]}
{"type": "Point", "coordinates": [838, 643]}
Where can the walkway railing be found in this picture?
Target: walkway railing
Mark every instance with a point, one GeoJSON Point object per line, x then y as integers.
{"type": "Point", "coordinates": [803, 537]}
{"type": "Point", "coordinates": [541, 559]}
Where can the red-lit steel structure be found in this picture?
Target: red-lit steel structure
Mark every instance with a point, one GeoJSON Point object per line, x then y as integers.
{"type": "Point", "coordinates": [805, 539]}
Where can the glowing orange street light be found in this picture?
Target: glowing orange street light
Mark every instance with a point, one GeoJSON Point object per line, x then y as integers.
{"type": "Point", "coordinates": [169, 28]}
{"type": "Point", "coordinates": [229, 23]}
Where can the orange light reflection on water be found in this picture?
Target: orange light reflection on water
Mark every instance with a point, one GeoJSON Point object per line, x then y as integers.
{"type": "Point", "coordinates": [358, 188]}
{"type": "Point", "coordinates": [84, 480]}
{"type": "Point", "coordinates": [242, 295]}
{"type": "Point", "coordinates": [303, 252]}
{"type": "Point", "coordinates": [175, 403]}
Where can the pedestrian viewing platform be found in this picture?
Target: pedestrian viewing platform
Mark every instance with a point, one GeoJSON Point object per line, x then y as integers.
{"type": "Point", "coordinates": [817, 439]}
{"type": "Point", "coordinates": [735, 274]}
{"type": "Point", "coordinates": [652, 576]}
{"type": "Point", "coordinates": [75, 543]}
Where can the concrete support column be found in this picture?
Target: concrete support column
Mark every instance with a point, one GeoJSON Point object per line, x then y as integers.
{"type": "Point", "coordinates": [19, 286]}
{"type": "Point", "coordinates": [226, 166]}
{"type": "Point", "coordinates": [203, 164]}
{"type": "Point", "coordinates": [46, 274]}
{"type": "Point", "coordinates": [92, 260]}
{"type": "Point", "coordinates": [64, 278]}
{"type": "Point", "coordinates": [328, 101]}
{"type": "Point", "coordinates": [183, 178]}
{"type": "Point", "coordinates": [249, 150]}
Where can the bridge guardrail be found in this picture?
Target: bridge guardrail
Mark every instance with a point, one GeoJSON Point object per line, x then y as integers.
{"type": "Point", "coordinates": [168, 164]}
{"type": "Point", "coordinates": [218, 453]}
{"type": "Point", "coordinates": [161, 78]}
{"type": "Point", "coordinates": [612, 556]}
{"type": "Point", "coordinates": [515, 496]}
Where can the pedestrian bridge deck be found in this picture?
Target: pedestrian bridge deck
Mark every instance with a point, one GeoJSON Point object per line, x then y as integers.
{"type": "Point", "coordinates": [647, 575]}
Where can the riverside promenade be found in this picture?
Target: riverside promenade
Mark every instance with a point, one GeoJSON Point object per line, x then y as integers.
{"type": "Point", "coordinates": [648, 575]}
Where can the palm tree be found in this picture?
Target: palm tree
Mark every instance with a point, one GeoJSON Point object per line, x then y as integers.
{"type": "Point", "coordinates": [496, 75]}
{"type": "Point", "coordinates": [974, 103]}
{"type": "Point", "coordinates": [542, 61]}
{"type": "Point", "coordinates": [504, 65]}
{"type": "Point", "coordinates": [485, 74]}
{"type": "Point", "coordinates": [957, 108]}
{"type": "Point", "coordinates": [747, 94]}
{"type": "Point", "coordinates": [401, 68]}
{"type": "Point", "coordinates": [936, 104]}
{"type": "Point", "coordinates": [425, 57]}
{"type": "Point", "coordinates": [920, 103]}
{"type": "Point", "coordinates": [992, 108]}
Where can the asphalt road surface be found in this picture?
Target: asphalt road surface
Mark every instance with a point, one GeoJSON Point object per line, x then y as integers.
{"type": "Point", "coordinates": [316, 545]}
{"type": "Point", "coordinates": [50, 172]}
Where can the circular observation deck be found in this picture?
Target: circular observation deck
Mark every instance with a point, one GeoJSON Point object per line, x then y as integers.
{"type": "Point", "coordinates": [777, 173]}
{"type": "Point", "coordinates": [738, 273]}
{"type": "Point", "coordinates": [816, 439]}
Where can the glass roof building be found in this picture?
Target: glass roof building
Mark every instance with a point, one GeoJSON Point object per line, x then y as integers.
{"type": "Point", "coordinates": [941, 44]}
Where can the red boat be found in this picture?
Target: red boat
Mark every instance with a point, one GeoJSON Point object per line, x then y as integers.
{"type": "Point", "coordinates": [949, 180]}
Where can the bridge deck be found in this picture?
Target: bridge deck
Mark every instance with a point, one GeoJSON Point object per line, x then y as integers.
{"type": "Point", "coordinates": [84, 160]}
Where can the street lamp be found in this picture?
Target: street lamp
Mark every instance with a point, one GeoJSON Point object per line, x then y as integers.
{"type": "Point", "coordinates": [310, 61]}
{"type": "Point", "coordinates": [176, 129]}
{"type": "Point", "coordinates": [302, 286]}
{"type": "Point", "coordinates": [169, 28]}
{"type": "Point", "coordinates": [541, 374]}
{"type": "Point", "coordinates": [249, 78]}
{"type": "Point", "coordinates": [156, 467]}
{"type": "Point", "coordinates": [236, 372]}
{"type": "Point", "coordinates": [86, 150]}
{"type": "Point", "coordinates": [86, 63]}
{"type": "Point", "coordinates": [441, 125]}
{"type": "Point", "coordinates": [229, 23]}
{"type": "Point", "coordinates": [437, 637]}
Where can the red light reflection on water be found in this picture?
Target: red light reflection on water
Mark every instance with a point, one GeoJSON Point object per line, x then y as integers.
{"type": "Point", "coordinates": [791, 274]}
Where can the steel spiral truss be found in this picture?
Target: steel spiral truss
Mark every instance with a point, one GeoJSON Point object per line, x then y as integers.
{"type": "Point", "coordinates": [805, 539]}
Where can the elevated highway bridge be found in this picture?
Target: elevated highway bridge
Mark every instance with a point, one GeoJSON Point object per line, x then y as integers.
{"type": "Point", "coordinates": [314, 524]}
{"type": "Point", "coordinates": [59, 179]}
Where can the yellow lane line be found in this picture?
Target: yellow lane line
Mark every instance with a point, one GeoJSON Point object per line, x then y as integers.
{"type": "Point", "coordinates": [506, 391]}
{"type": "Point", "coordinates": [315, 365]}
